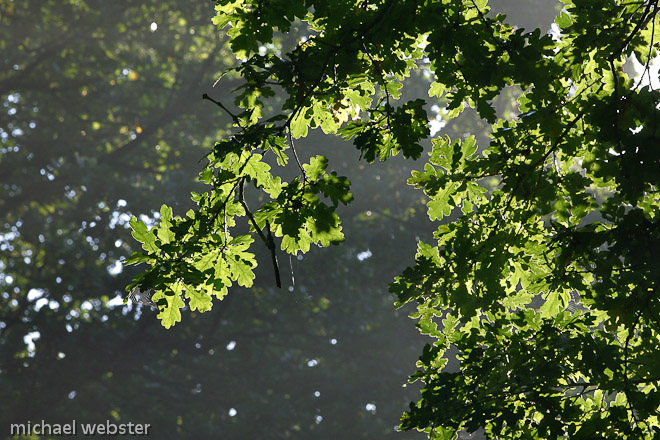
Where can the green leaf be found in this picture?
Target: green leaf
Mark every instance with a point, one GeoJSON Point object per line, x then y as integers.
{"type": "Point", "coordinates": [299, 124]}
{"type": "Point", "coordinates": [144, 236]}
{"type": "Point", "coordinates": [563, 20]}
{"type": "Point", "coordinates": [394, 89]}
{"type": "Point", "coordinates": [450, 324]}
{"type": "Point", "coordinates": [323, 118]}
{"type": "Point", "coordinates": [442, 205]}
{"type": "Point", "coordinates": [316, 167]}
{"type": "Point", "coordinates": [259, 171]}
{"type": "Point", "coordinates": [292, 245]}
{"type": "Point", "coordinates": [359, 98]}
{"type": "Point", "coordinates": [437, 90]}
{"type": "Point", "coordinates": [224, 12]}
{"type": "Point", "coordinates": [165, 233]}
{"type": "Point", "coordinates": [170, 312]}
{"type": "Point", "coordinates": [198, 299]}
{"type": "Point", "coordinates": [137, 258]}
{"type": "Point", "coordinates": [207, 261]}
{"type": "Point", "coordinates": [241, 270]}
{"type": "Point", "coordinates": [240, 263]}
{"type": "Point", "coordinates": [554, 302]}
{"type": "Point", "coordinates": [481, 4]}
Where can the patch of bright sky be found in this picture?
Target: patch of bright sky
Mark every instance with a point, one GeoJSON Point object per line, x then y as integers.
{"type": "Point", "coordinates": [29, 341]}
{"type": "Point", "coordinates": [436, 124]}
{"type": "Point", "coordinates": [150, 221]}
{"type": "Point", "coordinates": [554, 32]}
{"type": "Point", "coordinates": [119, 218]}
{"type": "Point", "coordinates": [264, 49]}
{"type": "Point", "coordinates": [116, 268]}
{"type": "Point", "coordinates": [116, 301]}
{"type": "Point", "coordinates": [37, 295]}
{"type": "Point", "coordinates": [650, 77]}
{"type": "Point", "coordinates": [364, 255]}
{"type": "Point", "coordinates": [86, 305]}
{"type": "Point", "coordinates": [34, 294]}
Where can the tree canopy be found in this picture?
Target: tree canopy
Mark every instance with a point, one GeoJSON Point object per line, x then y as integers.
{"type": "Point", "coordinates": [547, 282]}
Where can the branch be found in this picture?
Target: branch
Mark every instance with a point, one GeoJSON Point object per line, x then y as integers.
{"type": "Point", "coordinates": [219, 104]}
{"type": "Point", "coordinates": [268, 240]}
{"type": "Point", "coordinates": [273, 255]}
{"type": "Point", "coordinates": [643, 21]}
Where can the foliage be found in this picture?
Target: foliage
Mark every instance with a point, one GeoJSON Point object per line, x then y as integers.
{"type": "Point", "coordinates": [546, 285]}
{"type": "Point", "coordinates": [108, 123]}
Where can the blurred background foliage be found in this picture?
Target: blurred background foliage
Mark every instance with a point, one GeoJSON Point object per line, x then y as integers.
{"type": "Point", "coordinates": [102, 118]}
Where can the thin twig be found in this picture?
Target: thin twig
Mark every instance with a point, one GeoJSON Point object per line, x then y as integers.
{"type": "Point", "coordinates": [295, 154]}
{"type": "Point", "coordinates": [293, 278]}
{"type": "Point", "coordinates": [234, 117]}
